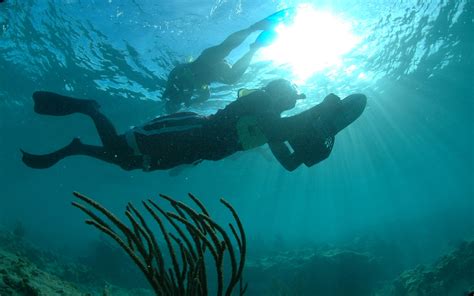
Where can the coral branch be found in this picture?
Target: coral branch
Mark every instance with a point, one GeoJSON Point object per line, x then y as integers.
{"type": "Point", "coordinates": [188, 275]}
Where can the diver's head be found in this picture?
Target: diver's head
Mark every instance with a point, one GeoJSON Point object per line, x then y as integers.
{"type": "Point", "coordinates": [284, 93]}
{"type": "Point", "coordinates": [351, 108]}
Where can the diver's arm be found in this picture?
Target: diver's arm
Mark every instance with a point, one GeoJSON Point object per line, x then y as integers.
{"type": "Point", "coordinates": [290, 161]}
{"type": "Point", "coordinates": [278, 129]}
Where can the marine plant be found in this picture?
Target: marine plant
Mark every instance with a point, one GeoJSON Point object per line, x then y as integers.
{"type": "Point", "coordinates": [195, 235]}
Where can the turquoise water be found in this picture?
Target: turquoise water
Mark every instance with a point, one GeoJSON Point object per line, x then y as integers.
{"type": "Point", "coordinates": [402, 173]}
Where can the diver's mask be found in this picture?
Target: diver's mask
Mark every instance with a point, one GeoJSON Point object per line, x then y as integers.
{"type": "Point", "coordinates": [286, 92]}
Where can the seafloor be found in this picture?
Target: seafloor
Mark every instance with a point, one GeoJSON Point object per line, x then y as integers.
{"type": "Point", "coordinates": [319, 270]}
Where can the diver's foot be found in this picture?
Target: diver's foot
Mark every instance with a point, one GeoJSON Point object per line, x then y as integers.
{"type": "Point", "coordinates": [49, 103]}
{"type": "Point", "coordinates": [48, 160]}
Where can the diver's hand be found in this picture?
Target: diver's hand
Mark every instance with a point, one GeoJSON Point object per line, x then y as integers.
{"type": "Point", "coordinates": [290, 161]}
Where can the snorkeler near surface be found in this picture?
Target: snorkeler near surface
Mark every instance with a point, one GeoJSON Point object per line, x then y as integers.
{"type": "Point", "coordinates": [189, 83]}
{"type": "Point", "coordinates": [187, 138]}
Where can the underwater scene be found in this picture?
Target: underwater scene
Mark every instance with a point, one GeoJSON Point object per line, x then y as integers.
{"type": "Point", "coordinates": [237, 147]}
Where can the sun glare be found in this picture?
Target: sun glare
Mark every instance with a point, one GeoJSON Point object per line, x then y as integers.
{"type": "Point", "coordinates": [314, 41]}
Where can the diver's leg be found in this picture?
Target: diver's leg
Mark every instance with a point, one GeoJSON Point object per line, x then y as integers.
{"type": "Point", "coordinates": [219, 52]}
{"type": "Point", "coordinates": [76, 147]}
{"type": "Point", "coordinates": [238, 69]}
{"type": "Point", "coordinates": [222, 50]}
{"type": "Point", "coordinates": [114, 150]}
{"type": "Point", "coordinates": [49, 103]}
{"type": "Point", "coordinates": [106, 130]}
{"type": "Point", "coordinates": [230, 75]}
{"type": "Point", "coordinates": [120, 156]}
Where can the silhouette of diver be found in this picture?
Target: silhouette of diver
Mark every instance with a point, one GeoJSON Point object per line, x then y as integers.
{"type": "Point", "coordinates": [252, 120]}
{"type": "Point", "coordinates": [189, 83]}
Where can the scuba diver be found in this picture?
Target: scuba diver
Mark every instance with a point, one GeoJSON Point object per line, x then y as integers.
{"type": "Point", "coordinates": [189, 83]}
{"type": "Point", "coordinates": [185, 138]}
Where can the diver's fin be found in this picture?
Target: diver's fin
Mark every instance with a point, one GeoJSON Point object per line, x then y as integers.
{"type": "Point", "coordinates": [49, 103]}
{"type": "Point", "coordinates": [273, 20]}
{"type": "Point", "coordinates": [38, 161]}
{"type": "Point", "coordinates": [48, 160]}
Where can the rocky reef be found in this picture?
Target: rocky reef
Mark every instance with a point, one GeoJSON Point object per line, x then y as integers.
{"type": "Point", "coordinates": [452, 275]}
{"type": "Point", "coordinates": [314, 272]}
{"type": "Point", "coordinates": [348, 270]}
{"type": "Point", "coordinates": [18, 276]}
{"type": "Point", "coordinates": [26, 270]}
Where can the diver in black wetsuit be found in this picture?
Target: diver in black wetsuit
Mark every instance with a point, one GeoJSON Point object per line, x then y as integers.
{"type": "Point", "coordinates": [189, 83]}
{"type": "Point", "coordinates": [188, 138]}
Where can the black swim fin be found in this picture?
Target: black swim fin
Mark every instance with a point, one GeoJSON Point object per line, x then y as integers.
{"type": "Point", "coordinates": [49, 103]}
{"type": "Point", "coordinates": [48, 160]}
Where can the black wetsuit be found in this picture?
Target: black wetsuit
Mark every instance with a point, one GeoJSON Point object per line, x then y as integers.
{"type": "Point", "coordinates": [187, 138]}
